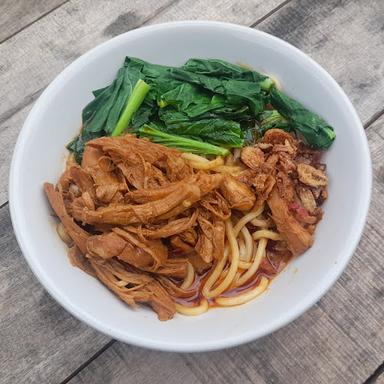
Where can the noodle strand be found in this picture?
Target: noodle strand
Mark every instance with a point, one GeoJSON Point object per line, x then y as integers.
{"type": "Point", "coordinates": [233, 266]}
{"type": "Point", "coordinates": [190, 278]}
{"type": "Point", "coordinates": [193, 311]}
{"type": "Point", "coordinates": [246, 219]}
{"type": "Point", "coordinates": [267, 234]}
{"type": "Point", "coordinates": [260, 253]}
{"type": "Point", "coordinates": [215, 274]}
{"type": "Point", "coordinates": [244, 297]}
{"type": "Point", "coordinates": [248, 241]}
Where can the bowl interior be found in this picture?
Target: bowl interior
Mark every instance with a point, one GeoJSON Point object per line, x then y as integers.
{"type": "Point", "coordinates": [55, 119]}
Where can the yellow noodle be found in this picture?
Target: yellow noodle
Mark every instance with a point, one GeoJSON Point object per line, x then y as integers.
{"type": "Point", "coordinates": [121, 283]}
{"type": "Point", "coordinates": [233, 284]}
{"type": "Point", "coordinates": [207, 165]}
{"type": "Point", "coordinates": [267, 234]}
{"type": "Point", "coordinates": [246, 219]}
{"type": "Point", "coordinates": [193, 311]}
{"type": "Point", "coordinates": [248, 244]}
{"type": "Point", "coordinates": [192, 157]}
{"type": "Point", "coordinates": [231, 169]}
{"type": "Point", "coordinates": [215, 274]}
{"type": "Point", "coordinates": [244, 264]}
{"type": "Point", "coordinates": [233, 266]}
{"type": "Point", "coordinates": [262, 223]}
{"type": "Point", "coordinates": [260, 253]}
{"type": "Point", "coordinates": [189, 279]}
{"type": "Point", "coordinates": [244, 297]}
{"type": "Point", "coordinates": [242, 249]}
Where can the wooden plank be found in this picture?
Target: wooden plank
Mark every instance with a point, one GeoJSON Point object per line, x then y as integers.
{"type": "Point", "coordinates": [40, 341]}
{"type": "Point", "coordinates": [137, 365]}
{"type": "Point", "coordinates": [15, 15]}
{"type": "Point", "coordinates": [346, 38]}
{"type": "Point", "coordinates": [32, 58]}
{"type": "Point", "coordinates": [243, 12]}
{"type": "Point", "coordinates": [340, 340]}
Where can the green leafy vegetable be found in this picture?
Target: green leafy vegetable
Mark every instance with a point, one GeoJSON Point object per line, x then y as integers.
{"type": "Point", "coordinates": [222, 69]}
{"type": "Point", "coordinates": [246, 92]}
{"type": "Point", "coordinates": [215, 131]}
{"type": "Point", "coordinates": [101, 115]}
{"type": "Point", "coordinates": [181, 143]}
{"type": "Point", "coordinates": [272, 119]}
{"type": "Point", "coordinates": [205, 101]}
{"type": "Point", "coordinates": [314, 129]}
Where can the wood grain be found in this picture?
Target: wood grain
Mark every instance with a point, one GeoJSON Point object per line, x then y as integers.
{"type": "Point", "coordinates": [340, 340]}
{"type": "Point", "coordinates": [15, 15]}
{"type": "Point", "coordinates": [243, 12]}
{"type": "Point", "coordinates": [40, 341]}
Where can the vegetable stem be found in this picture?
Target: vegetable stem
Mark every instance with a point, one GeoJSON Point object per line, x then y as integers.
{"type": "Point", "coordinates": [266, 84]}
{"type": "Point", "coordinates": [182, 143]}
{"type": "Point", "coordinates": [134, 101]}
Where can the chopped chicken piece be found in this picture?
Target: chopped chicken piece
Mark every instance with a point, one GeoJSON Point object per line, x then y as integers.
{"type": "Point", "coordinates": [253, 157]}
{"type": "Point", "coordinates": [238, 195]}
{"type": "Point", "coordinates": [297, 237]}
{"type": "Point", "coordinates": [311, 176]}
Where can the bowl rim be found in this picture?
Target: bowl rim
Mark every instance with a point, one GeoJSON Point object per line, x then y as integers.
{"type": "Point", "coordinates": [307, 302]}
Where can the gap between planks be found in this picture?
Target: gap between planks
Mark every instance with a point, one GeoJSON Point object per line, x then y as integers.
{"type": "Point", "coordinates": [374, 118]}
{"type": "Point", "coordinates": [86, 363]}
{"type": "Point", "coordinates": [33, 21]}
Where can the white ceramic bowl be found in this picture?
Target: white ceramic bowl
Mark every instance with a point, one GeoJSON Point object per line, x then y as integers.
{"type": "Point", "coordinates": [55, 119]}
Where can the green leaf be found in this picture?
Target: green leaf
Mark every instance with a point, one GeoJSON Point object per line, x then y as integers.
{"type": "Point", "coordinates": [315, 130]}
{"type": "Point", "coordinates": [245, 92]}
{"type": "Point", "coordinates": [215, 131]}
{"type": "Point", "coordinates": [222, 69]}
{"type": "Point", "coordinates": [183, 95]}
{"type": "Point", "coordinates": [273, 119]}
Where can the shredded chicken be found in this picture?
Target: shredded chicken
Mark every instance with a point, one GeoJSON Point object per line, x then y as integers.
{"type": "Point", "coordinates": [141, 219]}
{"type": "Point", "coordinates": [237, 194]}
{"type": "Point", "coordinates": [252, 157]}
{"type": "Point", "coordinates": [297, 237]}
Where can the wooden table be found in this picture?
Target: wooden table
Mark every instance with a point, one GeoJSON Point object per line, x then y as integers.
{"type": "Point", "coordinates": [339, 340]}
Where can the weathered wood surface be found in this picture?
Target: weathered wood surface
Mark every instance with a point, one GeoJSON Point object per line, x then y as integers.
{"type": "Point", "coordinates": [16, 15]}
{"type": "Point", "coordinates": [339, 340]}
